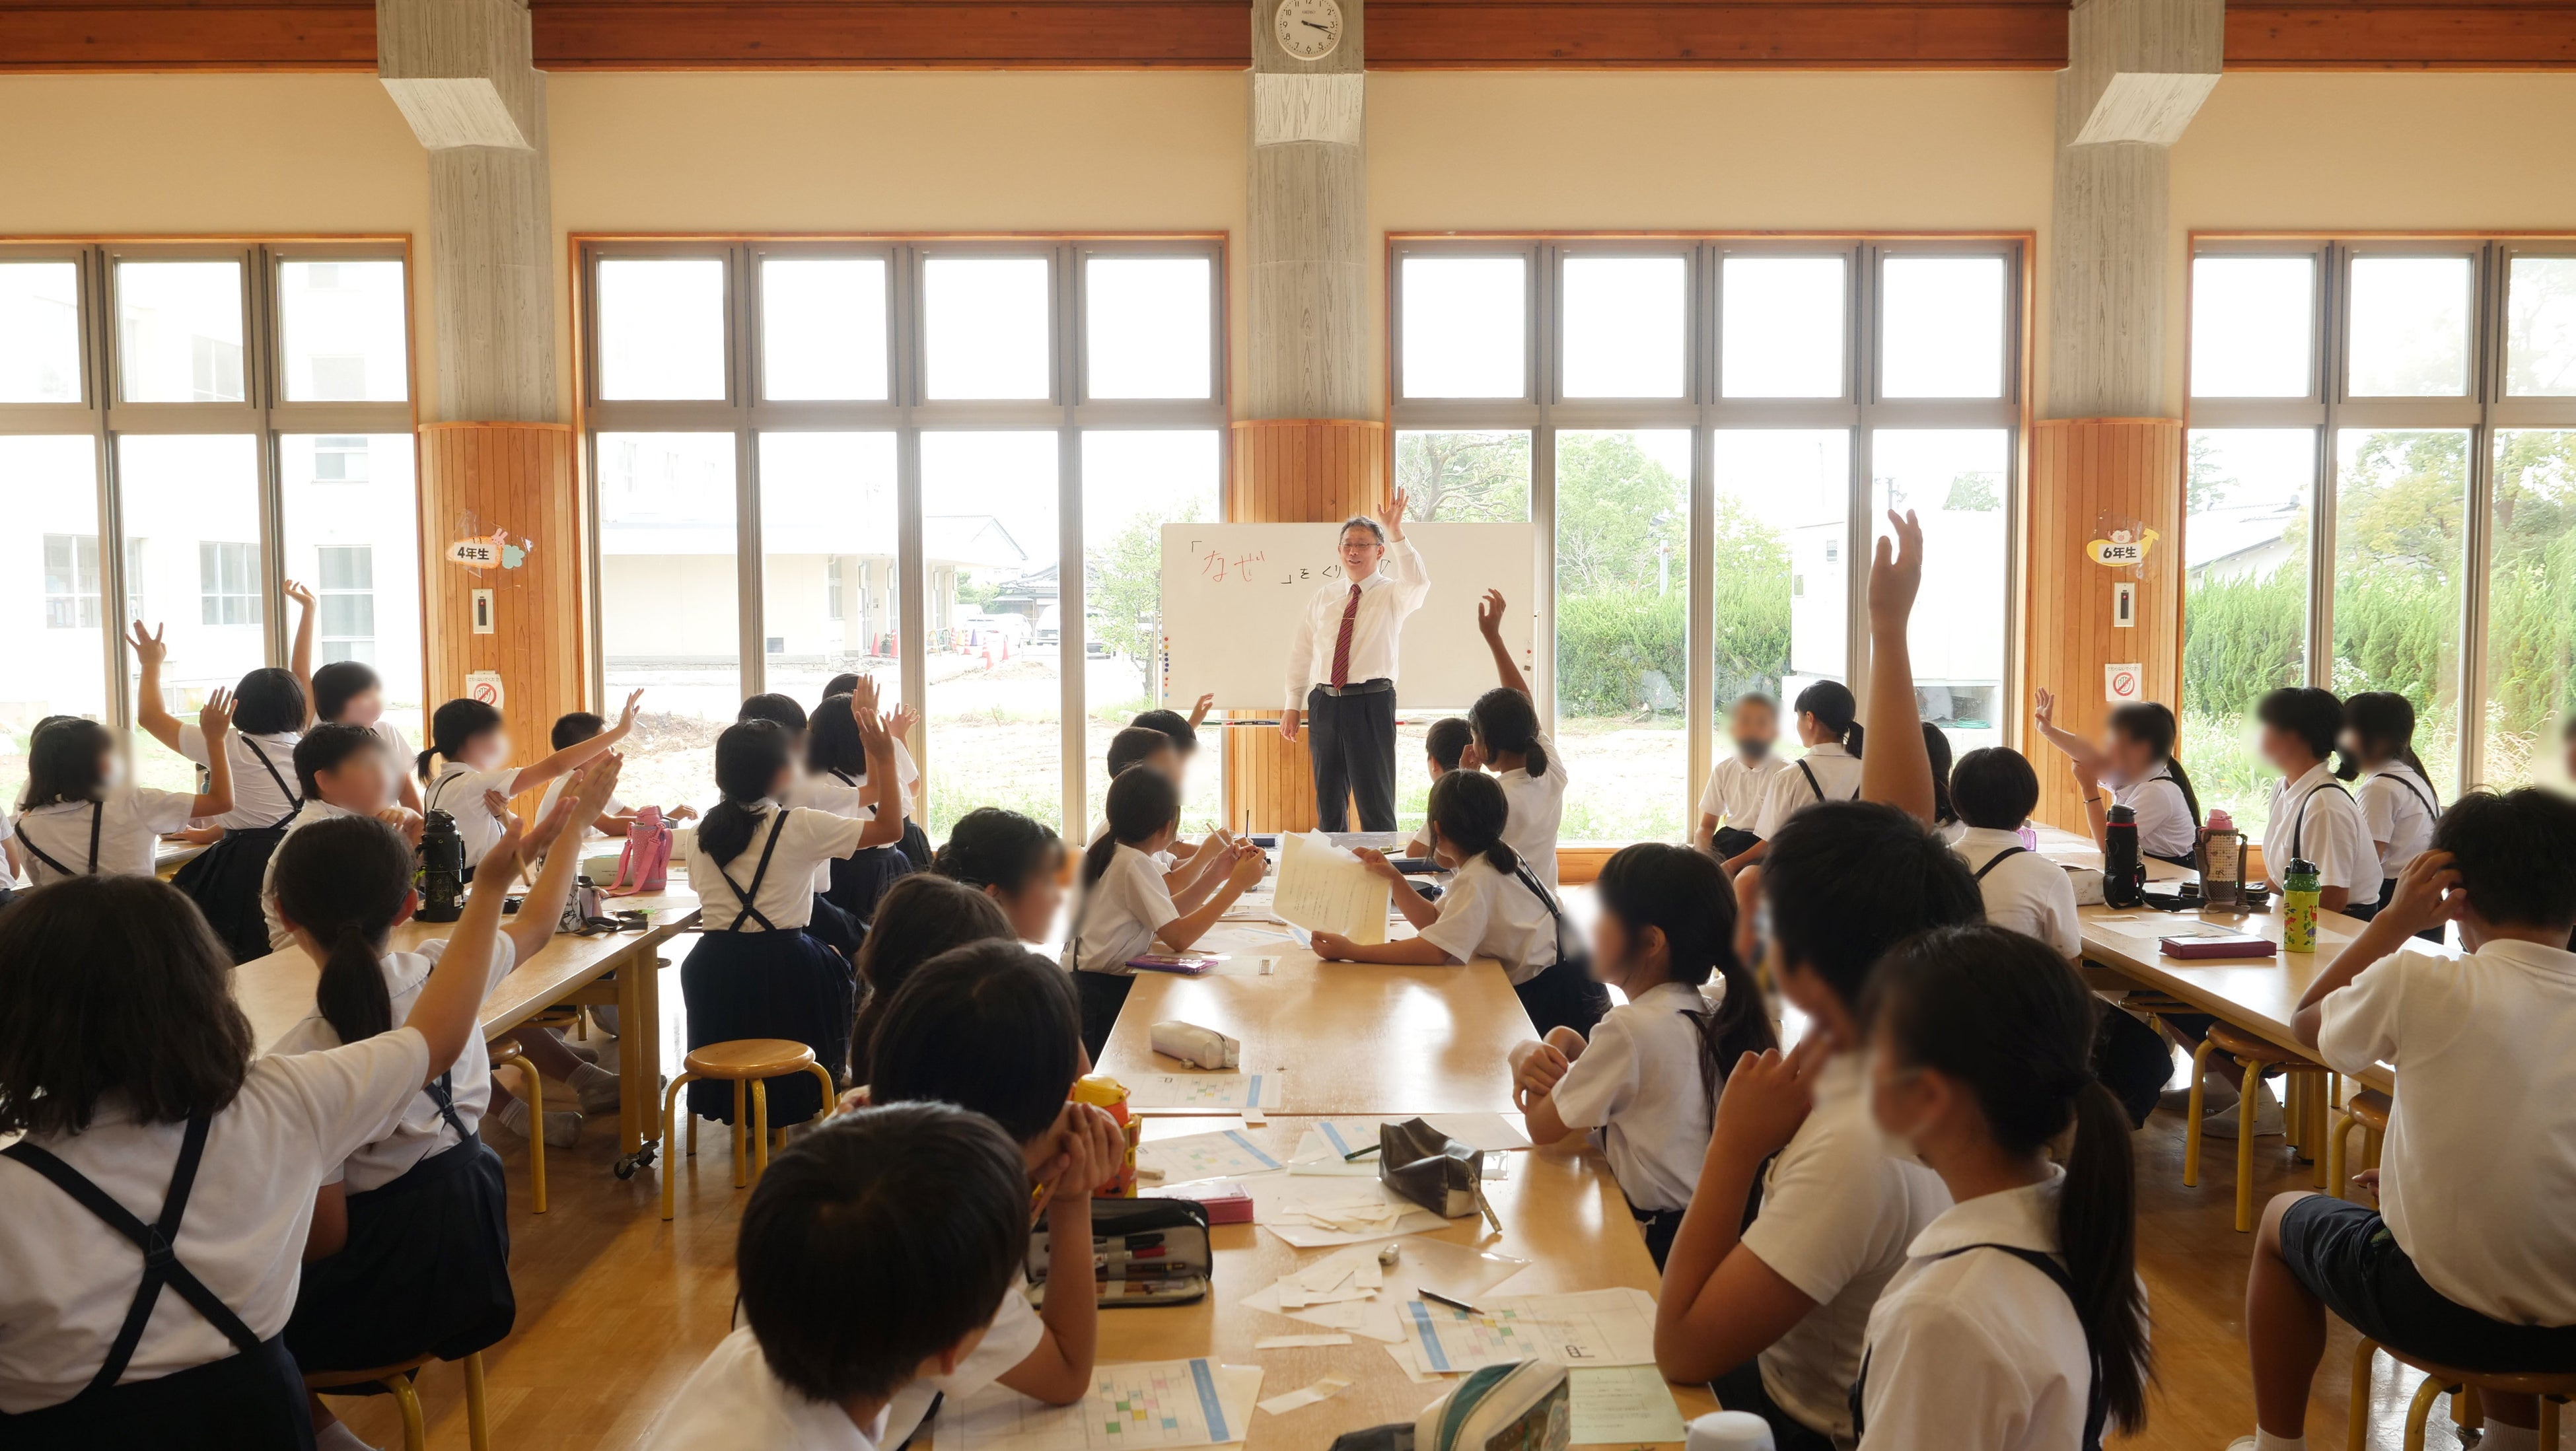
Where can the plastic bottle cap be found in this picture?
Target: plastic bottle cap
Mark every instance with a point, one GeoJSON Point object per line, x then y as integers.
{"type": "Point", "coordinates": [1729, 1431]}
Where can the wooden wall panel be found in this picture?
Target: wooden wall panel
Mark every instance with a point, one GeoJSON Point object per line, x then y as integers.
{"type": "Point", "coordinates": [2081, 469]}
{"type": "Point", "coordinates": [1290, 471]}
{"type": "Point", "coordinates": [477, 477]}
{"type": "Point", "coordinates": [1459, 34]}
{"type": "Point", "coordinates": [666, 34]}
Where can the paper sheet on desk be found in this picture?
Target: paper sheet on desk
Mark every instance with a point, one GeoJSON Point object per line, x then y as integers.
{"type": "Point", "coordinates": [1592, 1328]}
{"type": "Point", "coordinates": [1227, 1155]}
{"type": "Point", "coordinates": [1326, 1146]}
{"type": "Point", "coordinates": [1166, 1404]}
{"type": "Point", "coordinates": [1626, 1405]}
{"type": "Point", "coordinates": [1206, 1092]}
{"type": "Point", "coordinates": [1312, 1213]}
{"type": "Point", "coordinates": [1323, 888]}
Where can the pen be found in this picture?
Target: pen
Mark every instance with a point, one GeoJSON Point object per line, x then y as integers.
{"type": "Point", "coordinates": [1359, 1152]}
{"type": "Point", "coordinates": [1437, 1298]}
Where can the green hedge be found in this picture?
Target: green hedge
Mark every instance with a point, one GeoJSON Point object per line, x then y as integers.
{"type": "Point", "coordinates": [1606, 644]}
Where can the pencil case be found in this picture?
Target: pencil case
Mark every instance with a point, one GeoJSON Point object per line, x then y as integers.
{"type": "Point", "coordinates": [1429, 1167]}
{"type": "Point", "coordinates": [1187, 964]}
{"type": "Point", "coordinates": [1205, 1047]}
{"type": "Point", "coordinates": [1144, 1252]}
{"type": "Point", "coordinates": [2244, 945]}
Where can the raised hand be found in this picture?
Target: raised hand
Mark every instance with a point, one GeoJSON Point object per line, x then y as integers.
{"type": "Point", "coordinates": [872, 732]}
{"type": "Point", "coordinates": [299, 592]}
{"type": "Point", "coordinates": [216, 716]}
{"type": "Point", "coordinates": [900, 721]}
{"type": "Point", "coordinates": [1199, 712]}
{"type": "Point", "coordinates": [594, 784]}
{"type": "Point", "coordinates": [626, 717]}
{"type": "Point", "coordinates": [2044, 707]}
{"type": "Point", "coordinates": [864, 694]}
{"type": "Point", "coordinates": [1395, 507]}
{"type": "Point", "coordinates": [149, 648]}
{"type": "Point", "coordinates": [1896, 570]}
{"type": "Point", "coordinates": [1489, 614]}
{"type": "Point", "coordinates": [501, 863]}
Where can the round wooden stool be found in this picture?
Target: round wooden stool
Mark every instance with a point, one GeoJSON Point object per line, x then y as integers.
{"type": "Point", "coordinates": [397, 1379]}
{"type": "Point", "coordinates": [744, 1061]}
{"type": "Point", "coordinates": [2552, 1391]}
{"type": "Point", "coordinates": [2369, 1109]}
{"type": "Point", "coordinates": [506, 1050]}
{"type": "Point", "coordinates": [2304, 1107]}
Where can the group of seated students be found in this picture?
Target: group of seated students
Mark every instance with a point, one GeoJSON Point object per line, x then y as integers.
{"type": "Point", "coordinates": [1916, 1228]}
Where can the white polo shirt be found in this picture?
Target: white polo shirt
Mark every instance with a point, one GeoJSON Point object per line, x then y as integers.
{"type": "Point", "coordinates": [1484, 913]}
{"type": "Point", "coordinates": [1837, 1214]}
{"type": "Point", "coordinates": [1638, 1082]}
{"type": "Point", "coordinates": [2025, 891]}
{"type": "Point", "coordinates": [786, 895]}
{"type": "Point", "coordinates": [2165, 826]}
{"type": "Point", "coordinates": [2315, 818]}
{"type": "Point", "coordinates": [1119, 914]}
{"type": "Point", "coordinates": [2480, 1045]}
{"type": "Point", "coordinates": [1736, 787]}
{"type": "Point", "coordinates": [1837, 773]}
{"type": "Point", "coordinates": [1015, 1331]}
{"type": "Point", "coordinates": [131, 821]}
{"type": "Point", "coordinates": [263, 773]}
{"type": "Point", "coordinates": [458, 789]}
{"type": "Point", "coordinates": [1981, 1349]}
{"type": "Point", "coordinates": [1391, 593]}
{"type": "Point", "coordinates": [279, 939]}
{"type": "Point", "coordinates": [66, 1278]}
{"type": "Point", "coordinates": [2397, 807]}
{"type": "Point", "coordinates": [1537, 808]}
{"type": "Point", "coordinates": [733, 1400]}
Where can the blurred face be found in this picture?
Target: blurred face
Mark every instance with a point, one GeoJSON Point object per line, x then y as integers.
{"type": "Point", "coordinates": [785, 778]}
{"type": "Point", "coordinates": [2129, 757]}
{"type": "Point", "coordinates": [1753, 728]}
{"type": "Point", "coordinates": [364, 708]}
{"type": "Point", "coordinates": [1908, 1103]}
{"type": "Point", "coordinates": [1033, 907]}
{"type": "Point", "coordinates": [362, 782]}
{"type": "Point", "coordinates": [111, 769]}
{"type": "Point", "coordinates": [488, 750]}
{"type": "Point", "coordinates": [1167, 764]}
{"type": "Point", "coordinates": [2286, 750]}
{"type": "Point", "coordinates": [1618, 951]}
{"type": "Point", "coordinates": [1360, 553]}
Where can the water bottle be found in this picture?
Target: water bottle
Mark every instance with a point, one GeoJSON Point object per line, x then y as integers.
{"type": "Point", "coordinates": [2124, 876]}
{"type": "Point", "coordinates": [2219, 853]}
{"type": "Point", "coordinates": [2299, 907]}
{"type": "Point", "coordinates": [442, 869]}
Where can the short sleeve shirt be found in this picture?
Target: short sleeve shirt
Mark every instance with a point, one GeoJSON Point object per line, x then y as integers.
{"type": "Point", "coordinates": [131, 822]}
{"type": "Point", "coordinates": [1537, 809]}
{"type": "Point", "coordinates": [1014, 1333]}
{"type": "Point", "coordinates": [1735, 790]}
{"type": "Point", "coordinates": [1639, 1083]}
{"type": "Point", "coordinates": [1484, 913]}
{"type": "Point", "coordinates": [786, 895]}
{"type": "Point", "coordinates": [2397, 808]}
{"type": "Point", "coordinates": [263, 767]}
{"type": "Point", "coordinates": [1120, 913]}
{"type": "Point", "coordinates": [1837, 775]}
{"type": "Point", "coordinates": [458, 789]}
{"type": "Point", "coordinates": [2315, 818]}
{"type": "Point", "coordinates": [2025, 891]}
{"type": "Point", "coordinates": [734, 1400]}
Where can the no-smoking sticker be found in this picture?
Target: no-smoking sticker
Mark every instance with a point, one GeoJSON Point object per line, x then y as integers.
{"type": "Point", "coordinates": [485, 686]}
{"type": "Point", "coordinates": [2122, 684]}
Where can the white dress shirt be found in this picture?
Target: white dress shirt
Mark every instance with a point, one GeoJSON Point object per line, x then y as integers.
{"type": "Point", "coordinates": [2025, 892]}
{"type": "Point", "coordinates": [1836, 772]}
{"type": "Point", "coordinates": [1393, 591]}
{"type": "Point", "coordinates": [258, 799]}
{"type": "Point", "coordinates": [1736, 787]}
{"type": "Point", "coordinates": [733, 1401]}
{"type": "Point", "coordinates": [131, 822]}
{"type": "Point", "coordinates": [279, 939]}
{"type": "Point", "coordinates": [1638, 1082]}
{"type": "Point", "coordinates": [1015, 1331]}
{"type": "Point", "coordinates": [786, 894]}
{"type": "Point", "coordinates": [2165, 827]}
{"type": "Point", "coordinates": [458, 790]}
{"type": "Point", "coordinates": [1536, 808]}
{"type": "Point", "coordinates": [1119, 914]}
{"type": "Point", "coordinates": [2397, 808]}
{"type": "Point", "coordinates": [2329, 833]}
{"type": "Point", "coordinates": [2480, 1046]}
{"type": "Point", "coordinates": [1486, 914]}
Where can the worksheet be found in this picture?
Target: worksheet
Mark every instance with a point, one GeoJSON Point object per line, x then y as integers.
{"type": "Point", "coordinates": [1323, 888]}
{"type": "Point", "coordinates": [1592, 1328]}
{"type": "Point", "coordinates": [1206, 1092]}
{"type": "Point", "coordinates": [1166, 1404]}
{"type": "Point", "coordinates": [1228, 1155]}
{"type": "Point", "coordinates": [1625, 1405]}
{"type": "Point", "coordinates": [1311, 1213]}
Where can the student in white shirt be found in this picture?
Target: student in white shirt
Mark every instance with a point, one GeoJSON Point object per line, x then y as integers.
{"type": "Point", "coordinates": [1507, 740]}
{"type": "Point", "coordinates": [1127, 910]}
{"type": "Point", "coordinates": [1445, 744]}
{"type": "Point", "coordinates": [1945, 816]}
{"type": "Point", "coordinates": [1185, 865]}
{"type": "Point", "coordinates": [349, 692]}
{"type": "Point", "coordinates": [341, 771]}
{"type": "Point", "coordinates": [1732, 800]}
{"type": "Point", "coordinates": [475, 781]}
{"type": "Point", "coordinates": [2470, 1259]}
{"type": "Point", "coordinates": [846, 889]}
{"type": "Point", "coordinates": [8, 858]}
{"type": "Point", "coordinates": [1996, 790]}
{"type": "Point", "coordinates": [899, 724]}
{"type": "Point", "coordinates": [1829, 726]}
{"type": "Point", "coordinates": [1494, 906]}
{"type": "Point", "coordinates": [82, 818]}
{"type": "Point", "coordinates": [571, 729]}
{"type": "Point", "coordinates": [1342, 668]}
{"type": "Point", "coordinates": [133, 1075]}
{"type": "Point", "coordinates": [996, 1029]}
{"type": "Point", "coordinates": [2135, 762]}
{"type": "Point", "coordinates": [1648, 1076]}
{"type": "Point", "coordinates": [1016, 861]}
{"type": "Point", "coordinates": [2397, 801]}
{"type": "Point", "coordinates": [875, 1251]}
{"type": "Point", "coordinates": [2018, 1322]}
{"type": "Point", "coordinates": [2313, 818]}
{"type": "Point", "coordinates": [1184, 733]}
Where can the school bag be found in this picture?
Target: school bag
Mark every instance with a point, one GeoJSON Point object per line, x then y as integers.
{"type": "Point", "coordinates": [645, 864]}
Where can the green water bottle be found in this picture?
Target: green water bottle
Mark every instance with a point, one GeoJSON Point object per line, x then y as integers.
{"type": "Point", "coordinates": [2299, 907]}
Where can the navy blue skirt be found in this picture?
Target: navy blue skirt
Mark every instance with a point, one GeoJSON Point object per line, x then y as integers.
{"type": "Point", "coordinates": [223, 880]}
{"type": "Point", "coordinates": [860, 880]}
{"type": "Point", "coordinates": [426, 1271]}
{"type": "Point", "coordinates": [754, 984]}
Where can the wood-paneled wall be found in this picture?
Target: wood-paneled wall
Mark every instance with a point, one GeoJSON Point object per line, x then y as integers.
{"type": "Point", "coordinates": [475, 478]}
{"type": "Point", "coordinates": [1291, 471]}
{"type": "Point", "coordinates": [2080, 471]}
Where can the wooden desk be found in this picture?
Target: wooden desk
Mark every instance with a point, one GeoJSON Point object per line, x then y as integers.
{"type": "Point", "coordinates": [276, 992]}
{"type": "Point", "coordinates": [1354, 1037]}
{"type": "Point", "coordinates": [1560, 1210]}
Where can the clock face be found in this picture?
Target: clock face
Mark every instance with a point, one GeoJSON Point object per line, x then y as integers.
{"type": "Point", "coordinates": [1308, 29]}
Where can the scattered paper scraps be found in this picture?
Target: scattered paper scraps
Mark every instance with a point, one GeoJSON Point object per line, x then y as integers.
{"type": "Point", "coordinates": [1295, 1342]}
{"type": "Point", "coordinates": [1304, 1396]}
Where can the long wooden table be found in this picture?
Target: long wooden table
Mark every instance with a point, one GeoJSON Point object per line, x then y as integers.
{"type": "Point", "coordinates": [276, 992]}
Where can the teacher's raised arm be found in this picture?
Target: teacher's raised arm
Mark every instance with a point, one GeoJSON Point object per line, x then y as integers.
{"type": "Point", "coordinates": [1342, 668]}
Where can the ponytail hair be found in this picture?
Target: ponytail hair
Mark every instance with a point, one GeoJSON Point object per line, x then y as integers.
{"type": "Point", "coordinates": [452, 726]}
{"type": "Point", "coordinates": [1831, 703]}
{"type": "Point", "coordinates": [1503, 720]}
{"type": "Point", "coordinates": [1683, 893]}
{"type": "Point", "coordinates": [345, 882]}
{"type": "Point", "coordinates": [2002, 1015]}
{"type": "Point", "coordinates": [1469, 811]}
{"type": "Point", "coordinates": [749, 758]}
{"type": "Point", "coordinates": [1141, 802]}
{"type": "Point", "coordinates": [2384, 723]}
{"type": "Point", "coordinates": [2152, 725]}
{"type": "Point", "coordinates": [1936, 745]}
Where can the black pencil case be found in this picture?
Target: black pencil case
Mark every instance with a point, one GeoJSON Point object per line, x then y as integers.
{"type": "Point", "coordinates": [1144, 1252]}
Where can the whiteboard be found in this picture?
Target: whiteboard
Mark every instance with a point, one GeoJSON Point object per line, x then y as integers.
{"type": "Point", "coordinates": [1232, 593]}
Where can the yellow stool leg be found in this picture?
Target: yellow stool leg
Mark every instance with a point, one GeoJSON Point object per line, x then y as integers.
{"type": "Point", "coordinates": [823, 1076]}
{"type": "Point", "coordinates": [2357, 1413]}
{"type": "Point", "coordinates": [478, 1425]}
{"type": "Point", "coordinates": [2548, 1424]}
{"type": "Point", "coordinates": [2467, 1411]}
{"type": "Point", "coordinates": [2294, 1112]}
{"type": "Point", "coordinates": [2336, 1177]}
{"type": "Point", "coordinates": [2420, 1411]}
{"type": "Point", "coordinates": [670, 1107]}
{"type": "Point", "coordinates": [2245, 1149]}
{"type": "Point", "coordinates": [2191, 1130]}
{"type": "Point", "coordinates": [2318, 1119]}
{"type": "Point", "coordinates": [415, 1434]}
{"type": "Point", "coordinates": [536, 1096]}
{"type": "Point", "coordinates": [759, 1128]}
{"type": "Point", "coordinates": [741, 1121]}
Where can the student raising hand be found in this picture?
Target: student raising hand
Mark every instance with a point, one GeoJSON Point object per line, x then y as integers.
{"type": "Point", "coordinates": [1897, 769]}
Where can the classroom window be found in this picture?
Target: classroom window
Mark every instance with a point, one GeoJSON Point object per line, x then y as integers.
{"type": "Point", "coordinates": [2395, 520]}
{"type": "Point", "coordinates": [179, 331]}
{"type": "Point", "coordinates": [40, 346]}
{"type": "Point", "coordinates": [347, 599]}
{"type": "Point", "coordinates": [342, 326]}
{"type": "Point", "coordinates": [1702, 424]}
{"type": "Point", "coordinates": [958, 456]}
{"type": "Point", "coordinates": [71, 581]}
{"type": "Point", "coordinates": [228, 583]}
{"type": "Point", "coordinates": [49, 577]}
{"type": "Point", "coordinates": [353, 533]}
{"type": "Point", "coordinates": [662, 328]}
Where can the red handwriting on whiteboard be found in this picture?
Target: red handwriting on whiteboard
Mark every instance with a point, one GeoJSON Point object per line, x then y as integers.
{"type": "Point", "coordinates": [1217, 568]}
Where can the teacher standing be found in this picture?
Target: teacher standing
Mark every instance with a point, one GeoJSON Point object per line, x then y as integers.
{"type": "Point", "coordinates": [1342, 669]}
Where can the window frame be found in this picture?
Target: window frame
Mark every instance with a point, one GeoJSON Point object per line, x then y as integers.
{"type": "Point", "coordinates": [103, 414]}
{"type": "Point", "coordinates": [906, 413]}
{"type": "Point", "coordinates": [1859, 412]}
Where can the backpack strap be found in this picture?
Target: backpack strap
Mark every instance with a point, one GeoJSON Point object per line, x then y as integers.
{"type": "Point", "coordinates": [1991, 861]}
{"type": "Point", "coordinates": [777, 824]}
{"type": "Point", "coordinates": [2096, 1411]}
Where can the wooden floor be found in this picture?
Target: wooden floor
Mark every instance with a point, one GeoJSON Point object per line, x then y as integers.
{"type": "Point", "coordinates": [616, 1308]}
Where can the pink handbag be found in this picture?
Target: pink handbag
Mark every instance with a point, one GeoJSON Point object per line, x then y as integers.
{"type": "Point", "coordinates": [645, 864]}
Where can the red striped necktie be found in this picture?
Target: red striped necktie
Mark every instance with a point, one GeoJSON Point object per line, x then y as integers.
{"type": "Point", "coordinates": [1342, 642]}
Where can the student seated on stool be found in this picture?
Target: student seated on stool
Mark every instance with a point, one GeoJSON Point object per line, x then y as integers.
{"type": "Point", "coordinates": [2471, 1260]}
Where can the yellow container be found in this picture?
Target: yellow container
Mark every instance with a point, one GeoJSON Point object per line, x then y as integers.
{"type": "Point", "coordinates": [1104, 1092]}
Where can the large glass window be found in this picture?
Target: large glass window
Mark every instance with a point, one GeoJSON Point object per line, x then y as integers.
{"type": "Point", "coordinates": [192, 512]}
{"type": "Point", "coordinates": [40, 361]}
{"type": "Point", "coordinates": [50, 590]}
{"type": "Point", "coordinates": [919, 421]}
{"type": "Point", "coordinates": [2394, 517]}
{"type": "Point", "coordinates": [353, 533]}
{"type": "Point", "coordinates": [1704, 422]}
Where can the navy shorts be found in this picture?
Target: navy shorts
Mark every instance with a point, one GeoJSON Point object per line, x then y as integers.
{"type": "Point", "coordinates": [2345, 1255]}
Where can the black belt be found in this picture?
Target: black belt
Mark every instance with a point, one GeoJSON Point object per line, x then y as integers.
{"type": "Point", "coordinates": [1378, 686]}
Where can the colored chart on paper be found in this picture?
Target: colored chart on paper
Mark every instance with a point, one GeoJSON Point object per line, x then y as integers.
{"type": "Point", "coordinates": [1163, 1404]}
{"type": "Point", "coordinates": [1206, 1092]}
{"type": "Point", "coordinates": [1229, 1155]}
{"type": "Point", "coordinates": [1595, 1327]}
